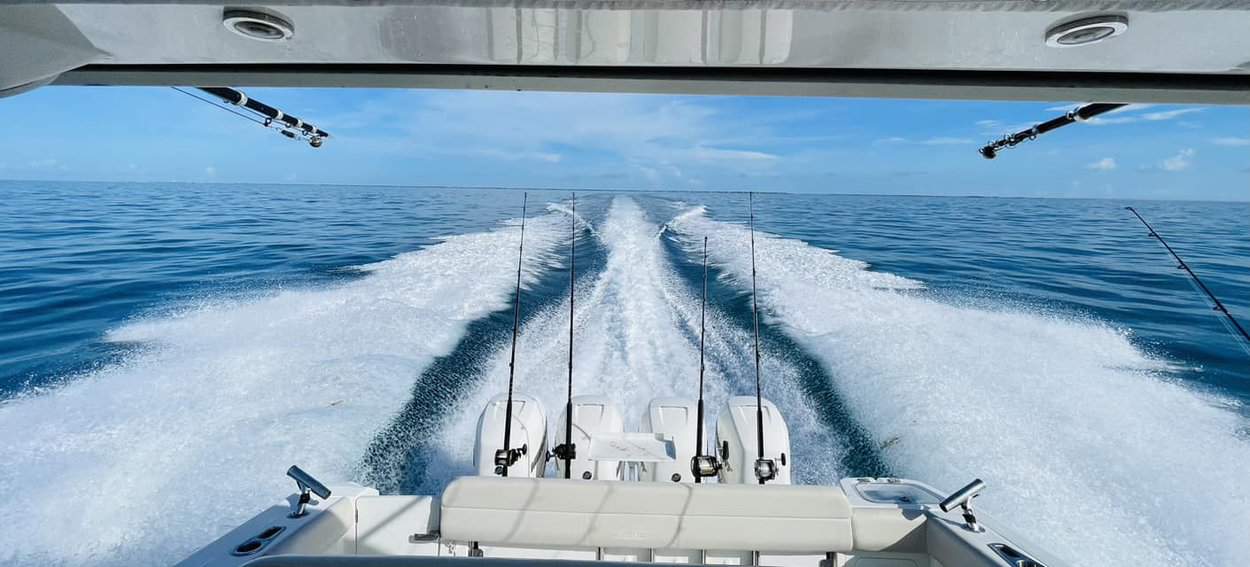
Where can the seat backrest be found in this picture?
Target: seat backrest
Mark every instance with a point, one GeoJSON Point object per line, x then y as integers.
{"type": "Point", "coordinates": [578, 513]}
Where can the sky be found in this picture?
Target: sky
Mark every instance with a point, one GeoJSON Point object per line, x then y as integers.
{"type": "Point", "coordinates": [620, 141]}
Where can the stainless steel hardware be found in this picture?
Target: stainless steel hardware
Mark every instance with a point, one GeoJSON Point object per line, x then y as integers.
{"type": "Point", "coordinates": [306, 484]}
{"type": "Point", "coordinates": [962, 498]}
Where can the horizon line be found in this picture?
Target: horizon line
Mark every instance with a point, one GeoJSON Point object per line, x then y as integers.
{"type": "Point", "coordinates": [631, 190]}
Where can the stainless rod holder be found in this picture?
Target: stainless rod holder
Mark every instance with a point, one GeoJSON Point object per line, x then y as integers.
{"type": "Point", "coordinates": [962, 499]}
{"type": "Point", "coordinates": [307, 486]}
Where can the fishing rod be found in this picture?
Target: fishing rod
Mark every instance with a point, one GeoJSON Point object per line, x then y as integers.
{"type": "Point", "coordinates": [1081, 114]}
{"type": "Point", "coordinates": [765, 469]}
{"type": "Point", "coordinates": [568, 449]}
{"type": "Point", "coordinates": [269, 117]}
{"type": "Point", "coordinates": [508, 456]}
{"type": "Point", "coordinates": [702, 465]}
{"type": "Point", "coordinates": [1234, 328]}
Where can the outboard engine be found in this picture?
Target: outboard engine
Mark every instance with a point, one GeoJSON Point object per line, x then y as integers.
{"type": "Point", "coordinates": [675, 419]}
{"type": "Point", "coordinates": [528, 439]}
{"type": "Point", "coordinates": [737, 443]}
{"type": "Point", "coordinates": [592, 415]}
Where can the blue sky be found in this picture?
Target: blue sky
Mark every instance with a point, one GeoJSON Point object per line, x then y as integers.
{"type": "Point", "coordinates": [565, 140]}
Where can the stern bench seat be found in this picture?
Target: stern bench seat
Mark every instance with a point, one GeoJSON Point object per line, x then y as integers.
{"type": "Point", "coordinates": [525, 512]}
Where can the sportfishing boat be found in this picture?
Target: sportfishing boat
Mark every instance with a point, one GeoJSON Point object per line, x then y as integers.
{"type": "Point", "coordinates": [591, 484]}
{"type": "Point", "coordinates": [659, 494]}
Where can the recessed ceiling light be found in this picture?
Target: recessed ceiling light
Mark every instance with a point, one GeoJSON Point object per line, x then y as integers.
{"type": "Point", "coordinates": [1086, 31]}
{"type": "Point", "coordinates": [258, 25]}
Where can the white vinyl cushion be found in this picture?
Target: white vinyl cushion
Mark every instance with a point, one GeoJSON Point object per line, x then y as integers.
{"type": "Point", "coordinates": [556, 512]}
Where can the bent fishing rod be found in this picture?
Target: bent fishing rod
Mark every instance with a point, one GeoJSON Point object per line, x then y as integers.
{"type": "Point", "coordinates": [508, 456]}
{"type": "Point", "coordinates": [765, 469]}
{"type": "Point", "coordinates": [568, 450]}
{"type": "Point", "coordinates": [1230, 323]}
{"type": "Point", "coordinates": [1081, 114]}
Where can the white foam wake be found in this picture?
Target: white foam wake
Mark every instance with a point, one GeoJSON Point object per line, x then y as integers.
{"type": "Point", "coordinates": [629, 339]}
{"type": "Point", "coordinates": [144, 461]}
{"type": "Point", "coordinates": [1087, 450]}
{"type": "Point", "coordinates": [636, 338]}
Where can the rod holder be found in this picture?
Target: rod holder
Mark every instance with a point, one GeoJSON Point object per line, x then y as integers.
{"type": "Point", "coordinates": [962, 499]}
{"type": "Point", "coordinates": [307, 486]}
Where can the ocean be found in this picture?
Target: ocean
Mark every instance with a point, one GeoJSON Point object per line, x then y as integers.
{"type": "Point", "coordinates": [167, 350]}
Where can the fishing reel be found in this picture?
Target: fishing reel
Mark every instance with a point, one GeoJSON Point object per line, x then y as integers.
{"type": "Point", "coordinates": [704, 466]}
{"type": "Point", "coordinates": [505, 458]}
{"type": "Point", "coordinates": [765, 469]}
{"type": "Point", "coordinates": [564, 452]}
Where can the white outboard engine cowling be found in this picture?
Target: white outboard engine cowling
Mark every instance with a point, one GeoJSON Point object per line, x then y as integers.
{"type": "Point", "coordinates": [529, 435]}
{"type": "Point", "coordinates": [591, 415]}
{"type": "Point", "coordinates": [737, 441]}
{"type": "Point", "coordinates": [675, 419]}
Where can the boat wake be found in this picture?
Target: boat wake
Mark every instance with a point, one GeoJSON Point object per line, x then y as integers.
{"type": "Point", "coordinates": [144, 461]}
{"type": "Point", "coordinates": [1086, 447]}
{"type": "Point", "coordinates": [636, 338]}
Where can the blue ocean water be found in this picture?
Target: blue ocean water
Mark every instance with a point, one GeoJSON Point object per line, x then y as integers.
{"type": "Point", "coordinates": [151, 330]}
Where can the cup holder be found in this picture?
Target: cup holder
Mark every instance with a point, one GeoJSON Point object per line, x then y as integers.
{"type": "Point", "coordinates": [255, 544]}
{"type": "Point", "coordinates": [1014, 557]}
{"type": "Point", "coordinates": [248, 547]}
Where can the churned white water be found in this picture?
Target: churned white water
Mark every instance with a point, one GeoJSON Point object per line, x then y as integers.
{"type": "Point", "coordinates": [636, 332]}
{"type": "Point", "coordinates": [144, 461]}
{"type": "Point", "coordinates": [1086, 448]}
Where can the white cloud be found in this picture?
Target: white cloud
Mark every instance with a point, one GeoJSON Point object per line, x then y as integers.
{"type": "Point", "coordinates": [1118, 116]}
{"type": "Point", "coordinates": [656, 139]}
{"type": "Point", "coordinates": [42, 163]}
{"type": "Point", "coordinates": [210, 171]}
{"type": "Point", "coordinates": [1104, 164]}
{"type": "Point", "coordinates": [712, 154]}
{"type": "Point", "coordinates": [945, 141]}
{"type": "Point", "coordinates": [511, 155]}
{"type": "Point", "coordinates": [1169, 114]}
{"type": "Point", "coordinates": [1231, 141]}
{"type": "Point", "coordinates": [1179, 162]}
{"type": "Point", "coordinates": [936, 141]}
{"type": "Point", "coordinates": [998, 128]}
{"type": "Point", "coordinates": [653, 176]}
